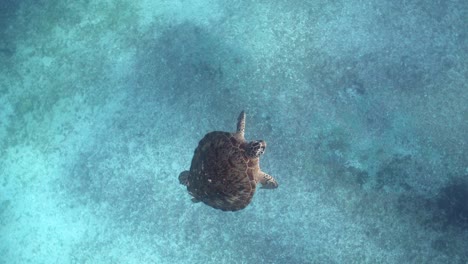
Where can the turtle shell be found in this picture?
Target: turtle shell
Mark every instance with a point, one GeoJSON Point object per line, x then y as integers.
{"type": "Point", "coordinates": [221, 175]}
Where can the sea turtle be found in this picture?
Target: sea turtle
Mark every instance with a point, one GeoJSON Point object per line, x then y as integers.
{"type": "Point", "coordinates": [225, 169]}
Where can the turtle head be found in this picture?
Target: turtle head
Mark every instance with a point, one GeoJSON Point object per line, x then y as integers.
{"type": "Point", "coordinates": [255, 148]}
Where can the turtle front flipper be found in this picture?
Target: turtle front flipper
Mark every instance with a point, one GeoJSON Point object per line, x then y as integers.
{"type": "Point", "coordinates": [241, 124]}
{"type": "Point", "coordinates": [267, 181]}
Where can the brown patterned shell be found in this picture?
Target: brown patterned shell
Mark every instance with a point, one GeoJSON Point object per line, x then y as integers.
{"type": "Point", "coordinates": [221, 175]}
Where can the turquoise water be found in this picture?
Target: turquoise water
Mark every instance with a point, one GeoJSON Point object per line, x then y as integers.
{"type": "Point", "coordinates": [364, 105]}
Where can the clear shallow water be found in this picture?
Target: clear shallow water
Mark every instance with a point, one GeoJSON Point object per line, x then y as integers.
{"type": "Point", "coordinates": [363, 106]}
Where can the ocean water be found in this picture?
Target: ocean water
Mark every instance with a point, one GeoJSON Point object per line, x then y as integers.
{"type": "Point", "coordinates": [363, 104]}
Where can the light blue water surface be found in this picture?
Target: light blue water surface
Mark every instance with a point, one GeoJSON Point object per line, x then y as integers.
{"type": "Point", "coordinates": [364, 105]}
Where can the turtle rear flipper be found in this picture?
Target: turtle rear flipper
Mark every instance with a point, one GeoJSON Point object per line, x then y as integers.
{"type": "Point", "coordinates": [183, 178]}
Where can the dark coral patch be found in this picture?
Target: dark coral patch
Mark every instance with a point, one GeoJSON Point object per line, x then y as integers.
{"type": "Point", "coordinates": [452, 203]}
